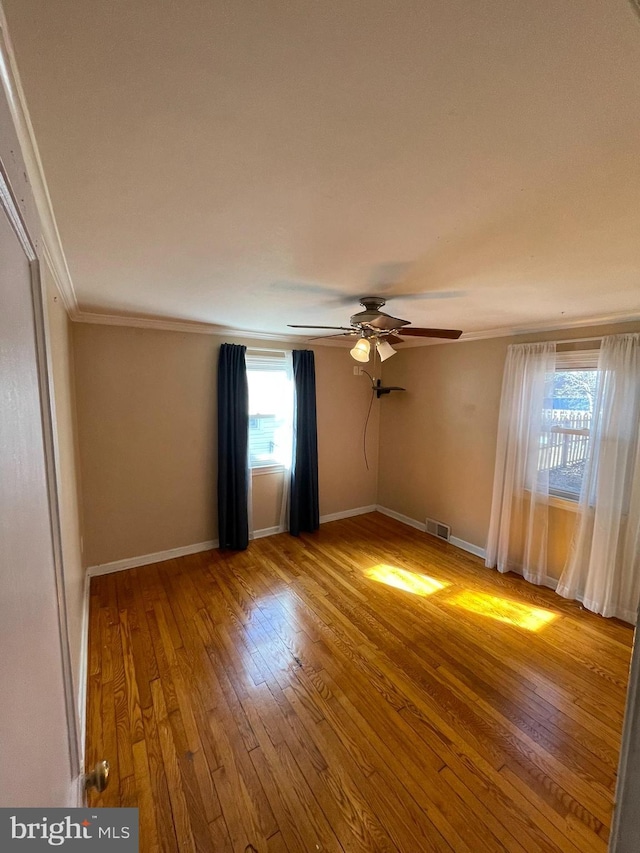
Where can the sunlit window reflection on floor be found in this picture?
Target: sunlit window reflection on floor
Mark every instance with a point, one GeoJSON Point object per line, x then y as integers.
{"type": "Point", "coordinates": [503, 610]}
{"type": "Point", "coordinates": [418, 584]}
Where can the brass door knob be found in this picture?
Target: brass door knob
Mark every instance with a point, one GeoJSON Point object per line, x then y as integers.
{"type": "Point", "coordinates": [98, 778]}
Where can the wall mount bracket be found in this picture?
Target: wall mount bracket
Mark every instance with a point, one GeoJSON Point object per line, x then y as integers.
{"type": "Point", "coordinates": [381, 389]}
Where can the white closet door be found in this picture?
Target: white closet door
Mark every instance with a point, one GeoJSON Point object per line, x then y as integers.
{"type": "Point", "coordinates": [35, 765]}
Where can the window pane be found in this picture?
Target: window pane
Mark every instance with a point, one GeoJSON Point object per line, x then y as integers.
{"type": "Point", "coordinates": [269, 416]}
{"type": "Point", "coordinates": [566, 440]}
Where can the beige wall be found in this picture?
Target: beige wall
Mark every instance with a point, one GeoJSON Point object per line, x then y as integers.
{"type": "Point", "coordinates": [438, 440]}
{"type": "Point", "coordinates": [343, 401]}
{"type": "Point", "coordinates": [146, 418]}
{"type": "Point", "coordinates": [61, 351]}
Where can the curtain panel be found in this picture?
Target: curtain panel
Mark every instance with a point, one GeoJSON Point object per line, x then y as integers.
{"type": "Point", "coordinates": [603, 568]}
{"type": "Point", "coordinates": [233, 459]}
{"type": "Point", "coordinates": [518, 530]}
{"type": "Point", "coordinates": [304, 507]}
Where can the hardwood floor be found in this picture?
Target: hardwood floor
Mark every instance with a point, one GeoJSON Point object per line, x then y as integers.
{"type": "Point", "coordinates": [366, 688]}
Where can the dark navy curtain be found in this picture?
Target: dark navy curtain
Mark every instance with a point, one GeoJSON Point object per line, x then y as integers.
{"type": "Point", "coordinates": [304, 512]}
{"type": "Point", "coordinates": [233, 463]}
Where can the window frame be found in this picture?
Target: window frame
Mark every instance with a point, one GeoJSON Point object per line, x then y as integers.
{"type": "Point", "coordinates": [266, 360]}
{"type": "Point", "coordinates": [585, 359]}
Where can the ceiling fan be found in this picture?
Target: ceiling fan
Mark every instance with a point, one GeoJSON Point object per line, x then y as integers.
{"type": "Point", "coordinates": [383, 329]}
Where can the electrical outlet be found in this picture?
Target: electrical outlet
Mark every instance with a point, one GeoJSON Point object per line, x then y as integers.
{"type": "Point", "coordinates": [357, 370]}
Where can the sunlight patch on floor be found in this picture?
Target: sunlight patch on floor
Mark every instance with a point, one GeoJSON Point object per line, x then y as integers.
{"type": "Point", "coordinates": [504, 610]}
{"type": "Point", "coordinates": [405, 580]}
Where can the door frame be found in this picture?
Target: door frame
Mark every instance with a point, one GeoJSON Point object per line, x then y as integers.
{"type": "Point", "coordinates": [624, 821]}
{"type": "Point", "coordinates": [11, 209]}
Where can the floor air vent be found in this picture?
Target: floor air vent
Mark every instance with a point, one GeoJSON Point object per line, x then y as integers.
{"type": "Point", "coordinates": [437, 528]}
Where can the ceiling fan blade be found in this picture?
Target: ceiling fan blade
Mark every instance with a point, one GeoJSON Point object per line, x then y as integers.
{"type": "Point", "coordinates": [343, 328]}
{"type": "Point", "coordinates": [386, 323]}
{"type": "Point", "coordinates": [415, 331]}
{"type": "Point", "coordinates": [393, 339]}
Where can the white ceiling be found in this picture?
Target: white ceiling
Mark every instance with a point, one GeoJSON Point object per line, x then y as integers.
{"type": "Point", "coordinates": [252, 164]}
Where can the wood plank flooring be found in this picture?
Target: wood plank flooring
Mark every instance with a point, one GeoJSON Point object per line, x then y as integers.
{"type": "Point", "coordinates": [367, 688]}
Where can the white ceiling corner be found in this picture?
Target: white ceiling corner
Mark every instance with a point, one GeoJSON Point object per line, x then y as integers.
{"type": "Point", "coordinates": [49, 242]}
{"type": "Point", "coordinates": [243, 166]}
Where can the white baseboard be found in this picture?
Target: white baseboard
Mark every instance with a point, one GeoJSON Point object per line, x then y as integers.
{"type": "Point", "coordinates": [549, 582]}
{"type": "Point", "coordinates": [172, 553]}
{"type": "Point", "coordinates": [266, 531]}
{"type": "Point", "coordinates": [347, 513]}
{"type": "Point", "coordinates": [468, 546]}
{"type": "Point", "coordinates": [418, 525]}
{"type": "Point", "coordinates": [410, 522]}
{"type": "Point", "coordinates": [146, 559]}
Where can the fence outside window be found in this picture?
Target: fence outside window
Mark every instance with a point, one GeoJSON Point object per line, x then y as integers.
{"type": "Point", "coordinates": [564, 448]}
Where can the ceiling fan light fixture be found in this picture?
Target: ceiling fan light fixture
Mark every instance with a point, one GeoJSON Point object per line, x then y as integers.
{"type": "Point", "coordinates": [361, 350]}
{"type": "Point", "coordinates": [385, 350]}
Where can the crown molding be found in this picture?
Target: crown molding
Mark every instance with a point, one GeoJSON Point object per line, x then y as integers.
{"type": "Point", "coordinates": [540, 328]}
{"type": "Point", "coordinates": [52, 250]}
{"type": "Point", "coordinates": [169, 325]}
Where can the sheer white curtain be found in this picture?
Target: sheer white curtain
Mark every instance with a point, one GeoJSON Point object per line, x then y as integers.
{"type": "Point", "coordinates": [603, 569]}
{"type": "Point", "coordinates": [519, 510]}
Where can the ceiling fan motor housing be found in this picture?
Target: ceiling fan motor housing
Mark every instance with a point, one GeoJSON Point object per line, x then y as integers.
{"type": "Point", "coordinates": [374, 323]}
{"type": "Point", "coordinates": [374, 317]}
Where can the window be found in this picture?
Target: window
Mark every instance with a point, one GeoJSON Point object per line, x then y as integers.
{"type": "Point", "coordinates": [567, 419]}
{"type": "Point", "coordinates": [270, 407]}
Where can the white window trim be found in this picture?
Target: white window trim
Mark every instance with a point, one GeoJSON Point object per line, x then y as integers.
{"type": "Point", "coordinates": [586, 359]}
{"type": "Point", "coordinates": [560, 502]}
{"type": "Point", "coordinates": [568, 504]}
{"type": "Point", "coordinates": [572, 360]}
{"type": "Point", "coordinates": [263, 358]}
{"type": "Point", "coordinates": [266, 469]}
